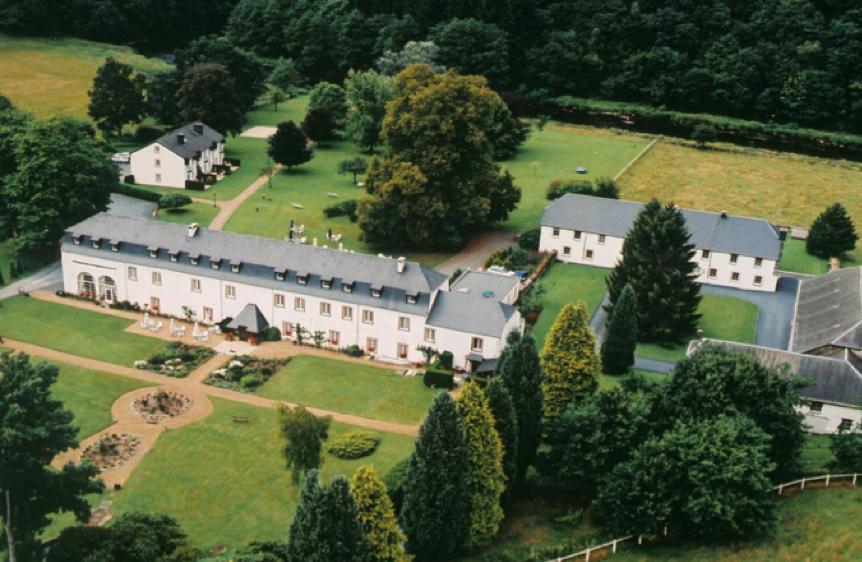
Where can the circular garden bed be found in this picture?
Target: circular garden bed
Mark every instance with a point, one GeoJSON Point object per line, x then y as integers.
{"type": "Point", "coordinates": [160, 405]}
{"type": "Point", "coordinates": [112, 450]}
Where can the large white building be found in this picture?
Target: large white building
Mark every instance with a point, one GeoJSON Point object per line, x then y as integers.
{"type": "Point", "coordinates": [388, 307]}
{"type": "Point", "coordinates": [189, 153]}
{"type": "Point", "coordinates": [732, 251]}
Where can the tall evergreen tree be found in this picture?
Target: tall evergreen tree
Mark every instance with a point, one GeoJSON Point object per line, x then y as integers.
{"type": "Point", "coordinates": [832, 234]}
{"type": "Point", "coordinates": [621, 338]}
{"type": "Point", "coordinates": [384, 538]}
{"type": "Point", "coordinates": [485, 478]}
{"type": "Point", "coordinates": [506, 424]}
{"type": "Point", "coordinates": [656, 262]}
{"type": "Point", "coordinates": [520, 370]}
{"type": "Point", "coordinates": [344, 530]}
{"type": "Point", "coordinates": [117, 96]}
{"type": "Point", "coordinates": [436, 511]}
{"type": "Point", "coordinates": [569, 360]}
{"type": "Point", "coordinates": [307, 527]}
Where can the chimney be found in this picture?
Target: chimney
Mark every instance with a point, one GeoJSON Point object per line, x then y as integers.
{"type": "Point", "coordinates": [193, 229]}
{"type": "Point", "coordinates": [724, 214]}
{"type": "Point", "coordinates": [199, 128]}
{"type": "Point", "coordinates": [401, 263]}
{"type": "Point", "coordinates": [181, 138]}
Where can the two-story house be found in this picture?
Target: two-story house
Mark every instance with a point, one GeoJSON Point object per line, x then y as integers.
{"type": "Point", "coordinates": [189, 153]}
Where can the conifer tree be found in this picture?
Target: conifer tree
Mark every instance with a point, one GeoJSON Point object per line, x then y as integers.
{"type": "Point", "coordinates": [506, 424]}
{"type": "Point", "coordinates": [832, 233]}
{"type": "Point", "coordinates": [621, 338]}
{"type": "Point", "coordinates": [383, 536]}
{"type": "Point", "coordinates": [306, 529]}
{"type": "Point", "coordinates": [569, 359]}
{"type": "Point", "coordinates": [520, 370]}
{"type": "Point", "coordinates": [656, 262]}
{"type": "Point", "coordinates": [435, 513]}
{"type": "Point", "coordinates": [344, 530]}
{"type": "Point", "coordinates": [485, 479]}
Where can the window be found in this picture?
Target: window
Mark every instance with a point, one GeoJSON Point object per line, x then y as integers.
{"type": "Point", "coordinates": [76, 240]}
{"type": "Point", "coordinates": [347, 287]}
{"type": "Point", "coordinates": [302, 279]}
{"type": "Point", "coordinates": [299, 304]}
{"type": "Point", "coordinates": [758, 262]}
{"type": "Point", "coordinates": [430, 335]}
{"type": "Point", "coordinates": [704, 254]}
{"type": "Point", "coordinates": [229, 292]}
{"type": "Point", "coordinates": [96, 243]}
{"type": "Point", "coordinates": [158, 178]}
{"type": "Point", "coordinates": [156, 148]}
{"type": "Point", "coordinates": [154, 304]}
{"type": "Point", "coordinates": [132, 273]}
{"type": "Point", "coordinates": [555, 233]}
{"type": "Point", "coordinates": [208, 314]}
{"type": "Point", "coordinates": [156, 278]}
{"type": "Point", "coordinates": [845, 424]}
{"type": "Point", "coordinates": [326, 283]}
{"type": "Point", "coordinates": [154, 254]}
{"type": "Point", "coordinates": [325, 309]}
{"type": "Point", "coordinates": [403, 323]}
{"type": "Point", "coordinates": [411, 299]}
{"type": "Point", "coordinates": [815, 406]}
{"type": "Point", "coordinates": [734, 258]}
{"type": "Point", "coordinates": [196, 285]}
{"type": "Point", "coordinates": [402, 351]}
{"type": "Point", "coordinates": [279, 276]}
{"type": "Point", "coordinates": [588, 254]}
{"type": "Point", "coordinates": [158, 163]}
{"type": "Point", "coordinates": [174, 257]}
{"type": "Point", "coordinates": [115, 247]}
{"type": "Point", "coordinates": [368, 317]}
{"type": "Point", "coordinates": [601, 238]}
{"type": "Point", "coordinates": [215, 264]}
{"type": "Point", "coordinates": [758, 280]}
{"type": "Point", "coordinates": [734, 276]}
{"type": "Point", "coordinates": [86, 284]}
{"type": "Point", "coordinates": [286, 329]}
{"type": "Point", "coordinates": [577, 235]}
{"type": "Point", "coordinates": [476, 344]}
{"type": "Point", "coordinates": [567, 251]}
{"type": "Point", "coordinates": [347, 313]}
{"type": "Point", "coordinates": [376, 293]}
{"type": "Point", "coordinates": [235, 267]}
{"type": "Point", "coordinates": [278, 300]}
{"type": "Point", "coordinates": [334, 338]}
{"type": "Point", "coordinates": [371, 345]}
{"type": "Point", "coordinates": [713, 272]}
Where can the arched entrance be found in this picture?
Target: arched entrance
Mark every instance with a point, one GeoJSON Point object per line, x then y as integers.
{"type": "Point", "coordinates": [107, 289]}
{"type": "Point", "coordinates": [86, 285]}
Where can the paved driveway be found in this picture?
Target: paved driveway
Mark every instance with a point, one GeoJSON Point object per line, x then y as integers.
{"type": "Point", "coordinates": [476, 251]}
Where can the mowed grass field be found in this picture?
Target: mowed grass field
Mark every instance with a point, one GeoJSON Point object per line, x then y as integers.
{"type": "Point", "coordinates": [784, 188]}
{"type": "Point", "coordinates": [226, 483]}
{"type": "Point", "coordinates": [51, 76]}
{"type": "Point", "coordinates": [350, 388]}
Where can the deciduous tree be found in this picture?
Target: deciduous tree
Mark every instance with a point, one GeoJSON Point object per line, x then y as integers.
{"type": "Point", "coordinates": [367, 95]}
{"type": "Point", "coordinates": [376, 513]}
{"type": "Point", "coordinates": [832, 233]}
{"type": "Point", "coordinates": [471, 46]}
{"type": "Point", "coordinates": [414, 52]}
{"type": "Point", "coordinates": [304, 434]}
{"type": "Point", "coordinates": [285, 76]}
{"type": "Point", "coordinates": [289, 145]}
{"type": "Point", "coordinates": [846, 447]}
{"type": "Point", "coordinates": [117, 96]}
{"type": "Point", "coordinates": [331, 97]}
{"type": "Point", "coordinates": [621, 337]}
{"type": "Point", "coordinates": [319, 125]}
{"type": "Point", "coordinates": [208, 93]}
{"type": "Point", "coordinates": [355, 166]}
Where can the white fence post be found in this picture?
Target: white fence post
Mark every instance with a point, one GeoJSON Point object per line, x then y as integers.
{"type": "Point", "coordinates": [780, 488]}
{"type": "Point", "coordinates": [827, 480]}
{"type": "Point", "coordinates": [802, 487]}
{"type": "Point", "coordinates": [854, 478]}
{"type": "Point", "coordinates": [614, 547]}
{"type": "Point", "coordinates": [587, 559]}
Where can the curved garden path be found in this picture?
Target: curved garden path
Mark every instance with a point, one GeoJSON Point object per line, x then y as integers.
{"type": "Point", "coordinates": [227, 208]}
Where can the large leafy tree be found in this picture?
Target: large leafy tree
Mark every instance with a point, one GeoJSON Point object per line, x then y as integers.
{"type": "Point", "coordinates": [258, 25]}
{"type": "Point", "coordinates": [621, 337]}
{"type": "Point", "coordinates": [161, 88]}
{"type": "Point", "coordinates": [705, 479]}
{"type": "Point", "coordinates": [376, 513]}
{"type": "Point", "coordinates": [117, 96]}
{"type": "Point", "coordinates": [319, 125]}
{"type": "Point", "coordinates": [435, 514]}
{"type": "Point", "coordinates": [569, 360]}
{"type": "Point", "coordinates": [42, 198]}
{"type": "Point", "coordinates": [330, 97]}
{"type": "Point", "coordinates": [285, 76]}
{"type": "Point", "coordinates": [304, 434]}
{"type": "Point", "coordinates": [471, 46]}
{"type": "Point", "coordinates": [437, 182]}
{"type": "Point", "coordinates": [208, 93]}
{"type": "Point", "coordinates": [521, 372]}
{"type": "Point", "coordinates": [832, 233]}
{"type": "Point", "coordinates": [414, 52]}
{"type": "Point", "coordinates": [715, 380]}
{"type": "Point", "coordinates": [506, 424]}
{"type": "Point", "coordinates": [12, 123]}
{"type": "Point", "coordinates": [656, 262]}
{"type": "Point", "coordinates": [485, 478]}
{"type": "Point", "coordinates": [34, 428]}
{"type": "Point", "coordinates": [846, 447]}
{"type": "Point", "coordinates": [367, 94]}
{"type": "Point", "coordinates": [289, 145]}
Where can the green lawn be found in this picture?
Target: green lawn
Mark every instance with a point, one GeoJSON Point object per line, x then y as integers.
{"type": "Point", "coordinates": [816, 454]}
{"type": "Point", "coordinates": [76, 331]}
{"type": "Point", "coordinates": [568, 283]}
{"type": "Point", "coordinates": [291, 110]}
{"type": "Point", "coordinates": [795, 258]}
{"type": "Point", "coordinates": [350, 388]}
{"type": "Point", "coordinates": [201, 213]}
{"type": "Point", "coordinates": [607, 382]}
{"type": "Point", "coordinates": [226, 483]}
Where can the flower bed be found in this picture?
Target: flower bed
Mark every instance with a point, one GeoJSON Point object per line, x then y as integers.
{"type": "Point", "coordinates": [159, 405]}
{"type": "Point", "coordinates": [245, 373]}
{"type": "Point", "coordinates": [176, 360]}
{"type": "Point", "coordinates": [112, 450]}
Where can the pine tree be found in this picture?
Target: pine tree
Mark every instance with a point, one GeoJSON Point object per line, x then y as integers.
{"type": "Point", "coordinates": [506, 424]}
{"type": "Point", "coordinates": [520, 370]}
{"type": "Point", "coordinates": [376, 513]}
{"type": "Point", "coordinates": [657, 263]}
{"type": "Point", "coordinates": [344, 530]}
{"type": "Point", "coordinates": [306, 529]}
{"type": "Point", "coordinates": [621, 338]}
{"type": "Point", "coordinates": [435, 514]}
{"type": "Point", "coordinates": [832, 234]}
{"type": "Point", "coordinates": [485, 479]}
{"type": "Point", "coordinates": [569, 360]}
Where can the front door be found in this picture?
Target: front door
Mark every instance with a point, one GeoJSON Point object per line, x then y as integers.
{"type": "Point", "coordinates": [154, 304]}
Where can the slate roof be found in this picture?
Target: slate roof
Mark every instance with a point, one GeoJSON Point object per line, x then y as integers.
{"type": "Point", "coordinates": [259, 259]}
{"type": "Point", "coordinates": [478, 283]}
{"type": "Point", "coordinates": [251, 318]}
{"type": "Point", "coordinates": [828, 311]}
{"type": "Point", "coordinates": [710, 231]}
{"type": "Point", "coordinates": [466, 313]}
{"type": "Point", "coordinates": [194, 142]}
{"type": "Point", "coordinates": [833, 379]}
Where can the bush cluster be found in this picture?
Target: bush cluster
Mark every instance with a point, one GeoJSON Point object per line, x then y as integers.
{"type": "Point", "coordinates": [342, 209]}
{"type": "Point", "coordinates": [190, 356]}
{"type": "Point", "coordinates": [245, 373]}
{"type": "Point", "coordinates": [353, 351]}
{"type": "Point", "coordinates": [434, 378]}
{"type": "Point", "coordinates": [353, 445]}
{"type": "Point", "coordinates": [604, 187]}
{"type": "Point", "coordinates": [511, 258]}
{"type": "Point", "coordinates": [136, 192]}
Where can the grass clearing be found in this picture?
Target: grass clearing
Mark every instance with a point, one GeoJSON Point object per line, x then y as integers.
{"type": "Point", "coordinates": [51, 76]}
{"type": "Point", "coordinates": [816, 454]}
{"type": "Point", "coordinates": [226, 483]}
{"type": "Point", "coordinates": [350, 388]}
{"type": "Point", "coordinates": [73, 330]}
{"type": "Point", "coordinates": [795, 258]}
{"type": "Point", "coordinates": [607, 382]}
{"type": "Point", "coordinates": [201, 213]}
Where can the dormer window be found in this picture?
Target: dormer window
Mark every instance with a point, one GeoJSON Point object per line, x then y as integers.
{"type": "Point", "coordinates": [377, 292]}
{"type": "Point", "coordinates": [279, 276]}
{"type": "Point", "coordinates": [347, 286]}
{"type": "Point", "coordinates": [97, 242]}
{"type": "Point", "coordinates": [302, 278]}
{"type": "Point", "coordinates": [194, 260]}
{"type": "Point", "coordinates": [235, 267]}
{"type": "Point", "coordinates": [76, 239]}
{"type": "Point", "coordinates": [326, 283]}
{"type": "Point", "coordinates": [215, 263]}
{"type": "Point", "coordinates": [412, 298]}
{"type": "Point", "coordinates": [175, 256]}
{"type": "Point", "coordinates": [115, 245]}
{"type": "Point", "coordinates": [154, 252]}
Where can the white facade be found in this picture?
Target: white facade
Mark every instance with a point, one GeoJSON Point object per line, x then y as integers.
{"type": "Point", "coordinates": [714, 268]}
{"type": "Point", "coordinates": [169, 164]}
{"type": "Point", "coordinates": [825, 417]}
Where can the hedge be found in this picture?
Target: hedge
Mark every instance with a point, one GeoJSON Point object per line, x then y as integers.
{"type": "Point", "coordinates": [438, 379]}
{"type": "Point", "coordinates": [353, 445]}
{"type": "Point", "coordinates": [137, 192]}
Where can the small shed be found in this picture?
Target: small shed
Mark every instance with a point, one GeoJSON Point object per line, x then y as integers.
{"type": "Point", "coordinates": [249, 323]}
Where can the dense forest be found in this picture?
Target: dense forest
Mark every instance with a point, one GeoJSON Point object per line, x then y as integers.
{"type": "Point", "coordinates": [788, 61]}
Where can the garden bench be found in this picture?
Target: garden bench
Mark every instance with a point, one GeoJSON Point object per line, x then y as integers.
{"type": "Point", "coordinates": [241, 419]}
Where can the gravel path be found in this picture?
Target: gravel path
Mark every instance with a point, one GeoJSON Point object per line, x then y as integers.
{"type": "Point", "coordinates": [473, 255]}
{"type": "Point", "coordinates": [227, 208]}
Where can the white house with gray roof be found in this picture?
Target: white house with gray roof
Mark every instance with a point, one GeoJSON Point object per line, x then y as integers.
{"type": "Point", "coordinates": [187, 154]}
{"type": "Point", "coordinates": [732, 251]}
{"type": "Point", "coordinates": [502, 286]}
{"type": "Point", "coordinates": [388, 307]}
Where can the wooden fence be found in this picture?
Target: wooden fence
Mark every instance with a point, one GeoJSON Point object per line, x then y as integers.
{"type": "Point", "coordinates": [611, 547]}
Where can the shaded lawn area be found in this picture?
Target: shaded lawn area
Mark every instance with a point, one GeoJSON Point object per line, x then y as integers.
{"type": "Point", "coordinates": [816, 453]}
{"type": "Point", "coordinates": [290, 110]}
{"type": "Point", "coordinates": [795, 258]}
{"type": "Point", "coordinates": [226, 483]}
{"type": "Point", "coordinates": [27, 262]}
{"type": "Point", "coordinates": [555, 153]}
{"type": "Point", "coordinates": [350, 388]}
{"type": "Point", "coordinates": [568, 283]}
{"type": "Point", "coordinates": [785, 188]}
{"type": "Point", "coordinates": [201, 213]}
{"type": "Point", "coordinates": [72, 330]}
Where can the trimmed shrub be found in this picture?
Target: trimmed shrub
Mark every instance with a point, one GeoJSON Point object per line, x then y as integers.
{"type": "Point", "coordinates": [271, 334]}
{"type": "Point", "coordinates": [137, 192]}
{"type": "Point", "coordinates": [558, 188]}
{"type": "Point", "coordinates": [529, 239]}
{"type": "Point", "coordinates": [445, 359]}
{"type": "Point", "coordinates": [249, 381]}
{"type": "Point", "coordinates": [174, 201]}
{"type": "Point", "coordinates": [353, 351]}
{"type": "Point", "coordinates": [129, 178]}
{"type": "Point", "coordinates": [353, 445]}
{"type": "Point", "coordinates": [342, 209]}
{"type": "Point", "coordinates": [438, 379]}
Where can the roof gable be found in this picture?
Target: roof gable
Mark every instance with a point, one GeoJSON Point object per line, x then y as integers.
{"type": "Point", "coordinates": [828, 311]}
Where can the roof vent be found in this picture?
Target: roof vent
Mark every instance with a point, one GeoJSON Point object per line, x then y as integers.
{"type": "Point", "coordinates": [402, 262]}
{"type": "Point", "coordinates": [199, 128]}
{"type": "Point", "coordinates": [724, 214]}
{"type": "Point", "coordinates": [181, 138]}
{"type": "Point", "coordinates": [193, 229]}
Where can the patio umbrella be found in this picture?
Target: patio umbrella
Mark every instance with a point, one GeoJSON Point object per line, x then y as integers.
{"type": "Point", "coordinates": [171, 329]}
